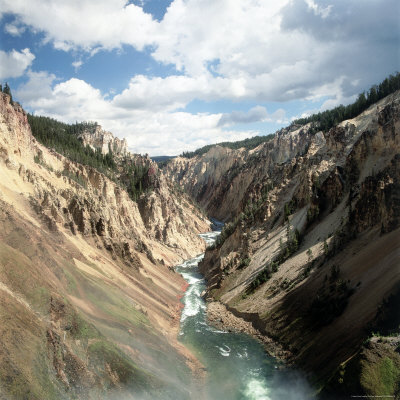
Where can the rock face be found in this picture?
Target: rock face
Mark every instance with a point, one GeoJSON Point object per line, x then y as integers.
{"type": "Point", "coordinates": [89, 303]}
{"type": "Point", "coordinates": [312, 247]}
{"type": "Point", "coordinates": [207, 178]}
{"type": "Point", "coordinates": [97, 138]}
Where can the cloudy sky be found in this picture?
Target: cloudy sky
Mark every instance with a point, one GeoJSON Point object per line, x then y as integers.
{"type": "Point", "coordinates": [172, 76]}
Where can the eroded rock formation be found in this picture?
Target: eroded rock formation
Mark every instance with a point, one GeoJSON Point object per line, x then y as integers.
{"type": "Point", "coordinates": [311, 250]}
{"type": "Point", "coordinates": [89, 303]}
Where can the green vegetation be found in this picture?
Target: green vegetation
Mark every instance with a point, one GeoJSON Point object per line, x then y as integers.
{"type": "Point", "coordinates": [40, 161]}
{"type": "Point", "coordinates": [227, 231]}
{"type": "Point", "coordinates": [244, 262]}
{"type": "Point", "coordinates": [162, 161]}
{"type": "Point", "coordinates": [6, 90]}
{"type": "Point", "coordinates": [328, 119]}
{"type": "Point", "coordinates": [135, 177]}
{"type": "Point", "coordinates": [104, 355]}
{"type": "Point", "coordinates": [63, 138]}
{"type": "Point", "coordinates": [248, 144]}
{"type": "Point", "coordinates": [382, 378]}
{"type": "Point", "coordinates": [331, 299]}
{"type": "Point", "coordinates": [387, 319]}
{"type": "Point", "coordinates": [289, 208]}
{"type": "Point", "coordinates": [79, 328]}
{"type": "Point", "coordinates": [75, 177]}
{"type": "Point", "coordinates": [293, 239]}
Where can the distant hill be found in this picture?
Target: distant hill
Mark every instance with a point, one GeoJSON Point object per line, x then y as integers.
{"type": "Point", "coordinates": [248, 144]}
{"type": "Point", "coordinates": [160, 159]}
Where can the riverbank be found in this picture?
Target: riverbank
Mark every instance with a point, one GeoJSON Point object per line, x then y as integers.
{"type": "Point", "coordinates": [221, 318]}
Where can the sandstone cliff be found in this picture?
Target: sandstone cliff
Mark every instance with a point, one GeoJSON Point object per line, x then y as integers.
{"type": "Point", "coordinates": [89, 306]}
{"type": "Point", "coordinates": [312, 248]}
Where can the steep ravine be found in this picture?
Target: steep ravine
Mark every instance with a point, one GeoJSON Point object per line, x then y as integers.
{"type": "Point", "coordinates": [311, 252]}
{"type": "Point", "coordinates": [89, 303]}
{"type": "Point", "coordinates": [236, 366]}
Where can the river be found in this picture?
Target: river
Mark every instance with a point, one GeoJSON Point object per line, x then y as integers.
{"type": "Point", "coordinates": [237, 366]}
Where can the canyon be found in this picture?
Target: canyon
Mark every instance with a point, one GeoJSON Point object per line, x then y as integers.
{"type": "Point", "coordinates": [310, 252]}
{"type": "Point", "coordinates": [307, 262]}
{"type": "Point", "coordinates": [90, 303]}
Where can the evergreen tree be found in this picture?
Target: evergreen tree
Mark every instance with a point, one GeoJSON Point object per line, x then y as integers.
{"type": "Point", "coordinates": [7, 90]}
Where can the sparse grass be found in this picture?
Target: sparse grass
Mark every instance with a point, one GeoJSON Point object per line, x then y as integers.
{"type": "Point", "coordinates": [113, 302]}
{"type": "Point", "coordinates": [75, 177]}
{"type": "Point", "coordinates": [40, 297]}
{"type": "Point", "coordinates": [102, 353]}
{"type": "Point", "coordinates": [40, 161]}
{"type": "Point", "coordinates": [79, 328]}
{"type": "Point", "coordinates": [382, 378]}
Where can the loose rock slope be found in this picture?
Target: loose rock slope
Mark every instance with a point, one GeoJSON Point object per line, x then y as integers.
{"type": "Point", "coordinates": [89, 303]}
{"type": "Point", "coordinates": [310, 253]}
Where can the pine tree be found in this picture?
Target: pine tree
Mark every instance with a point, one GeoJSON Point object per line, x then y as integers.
{"type": "Point", "coordinates": [7, 90]}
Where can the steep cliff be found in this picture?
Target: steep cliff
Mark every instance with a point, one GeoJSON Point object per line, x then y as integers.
{"type": "Point", "coordinates": [89, 306]}
{"type": "Point", "coordinates": [311, 250]}
{"type": "Point", "coordinates": [97, 138]}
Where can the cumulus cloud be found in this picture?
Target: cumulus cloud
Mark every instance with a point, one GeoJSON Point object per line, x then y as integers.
{"type": "Point", "coordinates": [14, 63]}
{"type": "Point", "coordinates": [38, 86]}
{"type": "Point", "coordinates": [84, 23]}
{"type": "Point", "coordinates": [14, 29]}
{"type": "Point", "coordinates": [248, 50]}
{"type": "Point", "coordinates": [263, 51]}
{"type": "Point", "coordinates": [160, 132]}
{"type": "Point", "coordinates": [255, 114]}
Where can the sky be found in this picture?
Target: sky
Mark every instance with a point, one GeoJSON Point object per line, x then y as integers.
{"type": "Point", "coordinates": [172, 76]}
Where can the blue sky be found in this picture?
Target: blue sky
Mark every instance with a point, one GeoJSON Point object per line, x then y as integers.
{"type": "Point", "coordinates": [172, 76]}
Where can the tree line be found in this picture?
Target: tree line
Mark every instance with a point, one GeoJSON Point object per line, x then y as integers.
{"type": "Point", "coordinates": [248, 144]}
{"type": "Point", "coordinates": [328, 119]}
{"type": "Point", "coordinates": [321, 121]}
{"type": "Point", "coordinates": [63, 138]}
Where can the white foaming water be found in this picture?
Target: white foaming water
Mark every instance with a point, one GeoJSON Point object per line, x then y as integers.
{"type": "Point", "coordinates": [238, 368]}
{"type": "Point", "coordinates": [193, 303]}
{"type": "Point", "coordinates": [224, 350]}
{"type": "Point", "coordinates": [209, 237]}
{"type": "Point", "coordinates": [256, 390]}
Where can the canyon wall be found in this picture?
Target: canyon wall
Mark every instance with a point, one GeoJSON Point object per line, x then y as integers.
{"type": "Point", "coordinates": [89, 301]}
{"type": "Point", "coordinates": [97, 138]}
{"type": "Point", "coordinates": [310, 251]}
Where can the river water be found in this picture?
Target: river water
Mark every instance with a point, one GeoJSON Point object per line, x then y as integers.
{"type": "Point", "coordinates": [237, 366]}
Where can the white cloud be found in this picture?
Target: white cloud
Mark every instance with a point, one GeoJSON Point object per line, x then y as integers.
{"type": "Point", "coordinates": [255, 114]}
{"type": "Point", "coordinates": [77, 64]}
{"type": "Point", "coordinates": [14, 29]}
{"type": "Point", "coordinates": [228, 49]}
{"type": "Point", "coordinates": [37, 87]}
{"type": "Point", "coordinates": [160, 132]}
{"type": "Point", "coordinates": [14, 63]}
{"type": "Point", "coordinates": [84, 23]}
{"type": "Point", "coordinates": [249, 50]}
{"type": "Point", "coordinates": [318, 10]}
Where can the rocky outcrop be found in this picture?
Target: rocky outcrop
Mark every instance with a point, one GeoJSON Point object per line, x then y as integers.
{"type": "Point", "coordinates": [97, 138]}
{"type": "Point", "coordinates": [310, 252]}
{"type": "Point", "coordinates": [88, 299]}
